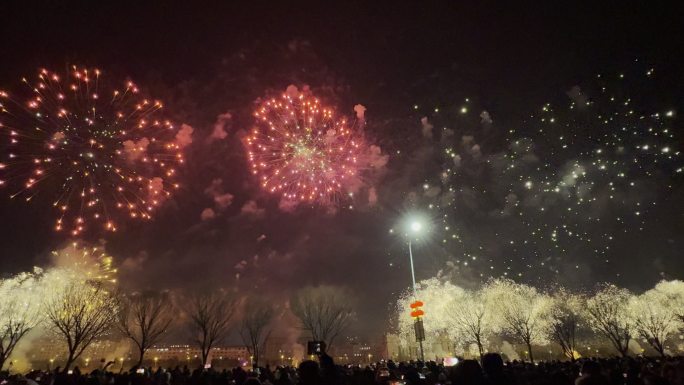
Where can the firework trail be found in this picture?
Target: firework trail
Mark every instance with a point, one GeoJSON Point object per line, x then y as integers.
{"type": "Point", "coordinates": [99, 153]}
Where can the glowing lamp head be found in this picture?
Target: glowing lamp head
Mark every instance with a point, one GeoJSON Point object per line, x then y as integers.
{"type": "Point", "coordinates": [415, 226]}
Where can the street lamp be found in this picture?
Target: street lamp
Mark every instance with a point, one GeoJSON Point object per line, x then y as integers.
{"type": "Point", "coordinates": [415, 228]}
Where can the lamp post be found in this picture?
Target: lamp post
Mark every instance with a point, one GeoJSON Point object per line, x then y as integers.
{"type": "Point", "coordinates": [415, 228]}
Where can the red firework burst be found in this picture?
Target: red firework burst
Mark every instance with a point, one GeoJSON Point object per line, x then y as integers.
{"type": "Point", "coordinates": [300, 150]}
{"type": "Point", "coordinates": [99, 154]}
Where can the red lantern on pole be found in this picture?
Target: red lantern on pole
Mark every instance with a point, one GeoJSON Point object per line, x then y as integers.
{"type": "Point", "coordinates": [416, 311]}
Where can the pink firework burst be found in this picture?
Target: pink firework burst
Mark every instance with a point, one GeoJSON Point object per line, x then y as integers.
{"type": "Point", "coordinates": [301, 151]}
{"type": "Point", "coordinates": [100, 154]}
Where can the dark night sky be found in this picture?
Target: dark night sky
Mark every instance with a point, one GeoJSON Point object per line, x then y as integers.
{"type": "Point", "coordinates": [208, 58]}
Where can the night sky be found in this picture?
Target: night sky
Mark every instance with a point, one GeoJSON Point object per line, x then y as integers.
{"type": "Point", "coordinates": [542, 140]}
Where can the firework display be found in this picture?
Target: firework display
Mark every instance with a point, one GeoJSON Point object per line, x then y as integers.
{"type": "Point", "coordinates": [98, 153]}
{"type": "Point", "coordinates": [300, 150]}
{"type": "Point", "coordinates": [82, 262]}
{"type": "Point", "coordinates": [574, 179]}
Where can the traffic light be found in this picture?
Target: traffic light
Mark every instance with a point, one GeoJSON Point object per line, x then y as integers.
{"type": "Point", "coordinates": [416, 311]}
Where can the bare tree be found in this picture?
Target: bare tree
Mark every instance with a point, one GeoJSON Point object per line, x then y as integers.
{"type": "Point", "coordinates": [325, 311]}
{"type": "Point", "coordinates": [19, 313]}
{"type": "Point", "coordinates": [470, 315]}
{"type": "Point", "coordinates": [671, 296]}
{"type": "Point", "coordinates": [80, 314]}
{"type": "Point", "coordinates": [144, 318]}
{"type": "Point", "coordinates": [210, 317]}
{"type": "Point", "coordinates": [654, 318]}
{"type": "Point", "coordinates": [566, 314]}
{"type": "Point", "coordinates": [521, 310]}
{"type": "Point", "coordinates": [254, 328]}
{"type": "Point", "coordinates": [609, 315]}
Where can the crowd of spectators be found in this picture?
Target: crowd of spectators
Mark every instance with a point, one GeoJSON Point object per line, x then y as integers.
{"type": "Point", "coordinates": [491, 370]}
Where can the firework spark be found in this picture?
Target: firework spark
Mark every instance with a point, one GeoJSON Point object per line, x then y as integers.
{"type": "Point", "coordinates": [578, 177]}
{"type": "Point", "coordinates": [300, 150]}
{"type": "Point", "coordinates": [80, 261]}
{"type": "Point", "coordinates": [101, 154]}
